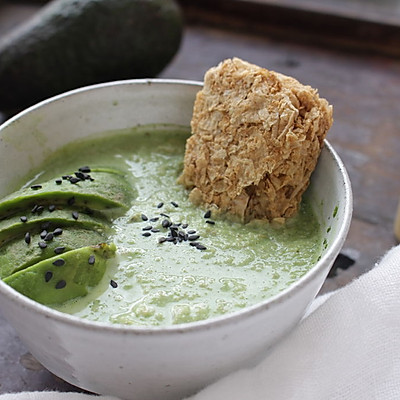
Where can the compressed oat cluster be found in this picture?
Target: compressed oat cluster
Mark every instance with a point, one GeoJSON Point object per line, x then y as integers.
{"type": "Point", "coordinates": [256, 138]}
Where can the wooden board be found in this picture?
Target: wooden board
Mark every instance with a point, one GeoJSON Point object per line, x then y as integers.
{"type": "Point", "coordinates": [356, 25]}
{"type": "Point", "coordinates": [365, 91]}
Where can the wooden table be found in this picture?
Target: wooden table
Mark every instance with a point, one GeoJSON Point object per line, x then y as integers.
{"type": "Point", "coordinates": [362, 83]}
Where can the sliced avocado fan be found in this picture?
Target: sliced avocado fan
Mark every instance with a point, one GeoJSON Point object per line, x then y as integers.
{"type": "Point", "coordinates": [102, 189]}
{"type": "Point", "coordinates": [19, 253]}
{"type": "Point", "coordinates": [54, 235]}
{"type": "Point", "coordinates": [63, 277]}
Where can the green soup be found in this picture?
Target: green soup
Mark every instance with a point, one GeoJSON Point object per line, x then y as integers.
{"type": "Point", "coordinates": [175, 263]}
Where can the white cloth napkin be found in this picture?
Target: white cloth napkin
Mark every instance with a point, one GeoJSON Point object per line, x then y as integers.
{"type": "Point", "coordinates": [346, 347]}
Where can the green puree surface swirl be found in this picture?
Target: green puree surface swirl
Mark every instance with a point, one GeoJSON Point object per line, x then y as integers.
{"type": "Point", "coordinates": [161, 284]}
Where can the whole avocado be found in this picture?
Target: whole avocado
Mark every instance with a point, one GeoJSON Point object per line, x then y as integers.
{"type": "Point", "coordinates": [73, 43]}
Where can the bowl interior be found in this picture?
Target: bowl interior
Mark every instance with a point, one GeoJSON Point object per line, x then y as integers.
{"type": "Point", "coordinates": [29, 137]}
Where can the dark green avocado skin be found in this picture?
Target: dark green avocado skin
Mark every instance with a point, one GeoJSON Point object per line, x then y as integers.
{"type": "Point", "coordinates": [72, 43]}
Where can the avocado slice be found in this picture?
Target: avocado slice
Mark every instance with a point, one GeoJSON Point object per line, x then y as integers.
{"type": "Point", "coordinates": [13, 226]}
{"type": "Point", "coordinates": [69, 44]}
{"type": "Point", "coordinates": [63, 277]}
{"type": "Point", "coordinates": [17, 254]}
{"type": "Point", "coordinates": [103, 189]}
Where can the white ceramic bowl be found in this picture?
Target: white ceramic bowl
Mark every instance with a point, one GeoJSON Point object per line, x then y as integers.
{"type": "Point", "coordinates": [152, 363]}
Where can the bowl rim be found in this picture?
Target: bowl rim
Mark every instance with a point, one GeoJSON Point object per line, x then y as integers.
{"type": "Point", "coordinates": [230, 318]}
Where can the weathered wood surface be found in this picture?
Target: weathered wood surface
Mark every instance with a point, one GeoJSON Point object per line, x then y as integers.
{"type": "Point", "coordinates": [356, 25]}
{"type": "Point", "coordinates": [365, 92]}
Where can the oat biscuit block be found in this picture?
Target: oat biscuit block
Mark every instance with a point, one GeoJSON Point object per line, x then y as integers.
{"type": "Point", "coordinates": [256, 138]}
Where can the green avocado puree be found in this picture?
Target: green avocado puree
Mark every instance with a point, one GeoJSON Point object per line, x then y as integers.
{"type": "Point", "coordinates": [159, 284]}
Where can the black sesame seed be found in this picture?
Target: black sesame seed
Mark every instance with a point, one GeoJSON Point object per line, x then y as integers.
{"type": "Point", "coordinates": [48, 275]}
{"type": "Point", "coordinates": [155, 219]}
{"type": "Point", "coordinates": [162, 239]}
{"type": "Point", "coordinates": [80, 175]}
{"type": "Point", "coordinates": [61, 284]}
{"type": "Point", "coordinates": [210, 222]}
{"type": "Point", "coordinates": [146, 234]}
{"type": "Point", "coordinates": [201, 247]}
{"type": "Point", "coordinates": [36, 187]}
{"type": "Point", "coordinates": [165, 223]}
{"type": "Point", "coordinates": [159, 205]}
{"type": "Point", "coordinates": [193, 237]}
{"type": "Point", "coordinates": [184, 226]}
{"type": "Point", "coordinates": [59, 262]}
{"type": "Point", "coordinates": [52, 207]}
{"type": "Point", "coordinates": [66, 177]}
{"type": "Point", "coordinates": [194, 244]}
{"type": "Point", "coordinates": [57, 231]}
{"type": "Point", "coordinates": [174, 226]}
{"type": "Point", "coordinates": [75, 215]}
{"type": "Point", "coordinates": [74, 180]}
{"type": "Point", "coordinates": [85, 168]}
{"type": "Point", "coordinates": [191, 231]}
{"type": "Point", "coordinates": [42, 245]}
{"type": "Point", "coordinates": [155, 230]}
{"type": "Point", "coordinates": [164, 215]}
{"type": "Point", "coordinates": [23, 219]}
{"type": "Point", "coordinates": [92, 259]}
{"type": "Point", "coordinates": [71, 201]}
{"type": "Point", "coordinates": [43, 234]}
{"type": "Point", "coordinates": [207, 214]}
{"type": "Point", "coordinates": [170, 239]}
{"type": "Point", "coordinates": [49, 237]}
{"type": "Point", "coordinates": [174, 204]}
{"type": "Point", "coordinates": [174, 233]}
{"type": "Point", "coordinates": [34, 209]}
{"type": "Point", "coordinates": [147, 228]}
{"type": "Point", "coordinates": [113, 284]}
{"type": "Point", "coordinates": [40, 209]}
{"type": "Point", "coordinates": [58, 181]}
{"type": "Point", "coordinates": [144, 217]}
{"type": "Point", "coordinates": [59, 250]}
{"type": "Point", "coordinates": [27, 238]}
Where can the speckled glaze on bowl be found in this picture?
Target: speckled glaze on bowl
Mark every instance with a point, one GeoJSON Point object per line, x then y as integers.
{"type": "Point", "coordinates": [152, 363]}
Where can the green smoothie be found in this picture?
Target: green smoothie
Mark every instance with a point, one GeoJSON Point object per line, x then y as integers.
{"type": "Point", "coordinates": [175, 262]}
